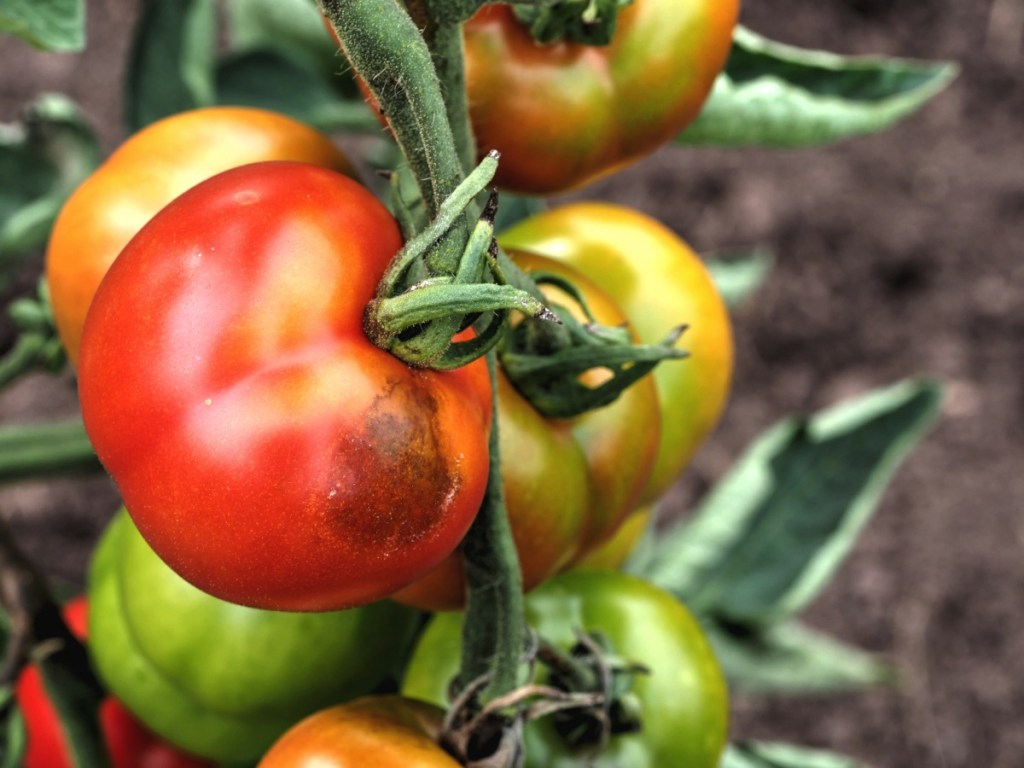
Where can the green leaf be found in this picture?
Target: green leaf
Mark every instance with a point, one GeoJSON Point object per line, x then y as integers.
{"type": "Point", "coordinates": [40, 450]}
{"type": "Point", "coordinates": [42, 159]}
{"type": "Point", "coordinates": [790, 658]}
{"type": "Point", "coordinates": [13, 736]}
{"type": "Point", "coordinates": [738, 275]}
{"type": "Point", "coordinates": [170, 66]}
{"type": "Point", "coordinates": [777, 95]}
{"type": "Point", "coordinates": [293, 28]}
{"type": "Point", "coordinates": [759, 754]}
{"type": "Point", "coordinates": [769, 536]}
{"type": "Point", "coordinates": [51, 25]}
{"type": "Point", "coordinates": [269, 80]}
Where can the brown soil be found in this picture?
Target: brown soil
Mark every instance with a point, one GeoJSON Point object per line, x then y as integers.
{"type": "Point", "coordinates": [895, 257]}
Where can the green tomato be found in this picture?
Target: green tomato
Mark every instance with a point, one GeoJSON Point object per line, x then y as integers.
{"type": "Point", "coordinates": [218, 679]}
{"type": "Point", "coordinates": [683, 702]}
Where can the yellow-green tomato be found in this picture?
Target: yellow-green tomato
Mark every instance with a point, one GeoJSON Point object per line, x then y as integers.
{"type": "Point", "coordinates": [222, 680]}
{"type": "Point", "coordinates": [682, 702]}
{"type": "Point", "coordinates": [659, 283]}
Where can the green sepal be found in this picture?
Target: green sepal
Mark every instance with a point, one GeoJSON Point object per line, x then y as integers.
{"type": "Point", "coordinates": [590, 22]}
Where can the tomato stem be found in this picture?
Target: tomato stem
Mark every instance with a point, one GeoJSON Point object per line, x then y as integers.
{"type": "Point", "coordinates": [494, 626]}
{"type": "Point", "coordinates": [36, 450]}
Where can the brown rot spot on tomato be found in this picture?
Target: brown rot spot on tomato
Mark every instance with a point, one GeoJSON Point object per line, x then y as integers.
{"type": "Point", "coordinates": [414, 481]}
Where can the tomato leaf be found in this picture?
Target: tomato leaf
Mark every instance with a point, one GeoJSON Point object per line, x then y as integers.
{"type": "Point", "coordinates": [293, 28]}
{"type": "Point", "coordinates": [791, 658]}
{"type": "Point", "coordinates": [778, 95]}
{"type": "Point", "coordinates": [738, 275]}
{"type": "Point", "coordinates": [170, 65]}
{"type": "Point", "coordinates": [760, 754]}
{"type": "Point", "coordinates": [41, 450]}
{"type": "Point", "coordinates": [13, 738]}
{"type": "Point", "coordinates": [42, 159]}
{"type": "Point", "coordinates": [770, 535]}
{"type": "Point", "coordinates": [51, 25]}
{"type": "Point", "coordinates": [270, 80]}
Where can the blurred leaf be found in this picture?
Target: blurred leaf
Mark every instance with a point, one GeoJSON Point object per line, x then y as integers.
{"type": "Point", "coordinates": [759, 754]}
{"type": "Point", "coordinates": [51, 25]}
{"type": "Point", "coordinates": [269, 80]}
{"type": "Point", "coordinates": [293, 28]}
{"type": "Point", "coordinates": [790, 658]}
{"type": "Point", "coordinates": [777, 95]}
{"type": "Point", "coordinates": [738, 275]}
{"type": "Point", "coordinates": [42, 159]}
{"type": "Point", "coordinates": [769, 536]}
{"type": "Point", "coordinates": [514, 208]}
{"type": "Point", "coordinates": [13, 737]}
{"type": "Point", "coordinates": [170, 66]}
{"type": "Point", "coordinates": [39, 450]}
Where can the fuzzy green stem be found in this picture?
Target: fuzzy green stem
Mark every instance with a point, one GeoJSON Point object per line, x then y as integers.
{"type": "Point", "coordinates": [494, 627]}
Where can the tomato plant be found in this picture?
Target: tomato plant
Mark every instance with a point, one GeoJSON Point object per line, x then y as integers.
{"type": "Point", "coordinates": [682, 701]}
{"type": "Point", "coordinates": [565, 114]}
{"type": "Point", "coordinates": [569, 483]}
{"type": "Point", "coordinates": [659, 283]}
{"type": "Point", "coordinates": [219, 679]}
{"type": "Point", "coordinates": [298, 466]}
{"type": "Point", "coordinates": [144, 174]}
{"type": "Point", "coordinates": [128, 742]}
{"type": "Point", "coordinates": [382, 731]}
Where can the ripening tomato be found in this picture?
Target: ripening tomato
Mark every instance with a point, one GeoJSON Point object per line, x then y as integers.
{"type": "Point", "coordinates": [219, 679]}
{"type": "Point", "coordinates": [568, 483]}
{"type": "Point", "coordinates": [613, 552]}
{"type": "Point", "coordinates": [129, 743]}
{"type": "Point", "coordinates": [659, 283]}
{"type": "Point", "coordinates": [144, 174]}
{"type": "Point", "coordinates": [266, 449]}
{"type": "Point", "coordinates": [682, 702]}
{"type": "Point", "coordinates": [565, 114]}
{"type": "Point", "coordinates": [372, 732]}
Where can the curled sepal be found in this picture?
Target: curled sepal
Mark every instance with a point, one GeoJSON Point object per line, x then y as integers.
{"type": "Point", "coordinates": [590, 22]}
{"type": "Point", "coordinates": [37, 347]}
{"type": "Point", "coordinates": [574, 367]}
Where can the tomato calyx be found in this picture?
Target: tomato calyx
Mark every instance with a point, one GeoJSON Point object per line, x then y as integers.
{"type": "Point", "coordinates": [420, 306]}
{"type": "Point", "coordinates": [550, 364]}
{"type": "Point", "coordinates": [591, 666]}
{"type": "Point", "coordinates": [590, 22]}
{"type": "Point", "coordinates": [38, 346]}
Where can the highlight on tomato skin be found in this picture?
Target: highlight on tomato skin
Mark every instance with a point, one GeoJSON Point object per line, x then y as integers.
{"type": "Point", "coordinates": [146, 172]}
{"type": "Point", "coordinates": [298, 466]}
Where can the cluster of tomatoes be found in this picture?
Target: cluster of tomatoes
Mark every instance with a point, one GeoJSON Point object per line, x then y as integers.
{"type": "Point", "coordinates": [297, 495]}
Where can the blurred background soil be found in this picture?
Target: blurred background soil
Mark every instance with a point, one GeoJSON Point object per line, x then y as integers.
{"type": "Point", "coordinates": [897, 255]}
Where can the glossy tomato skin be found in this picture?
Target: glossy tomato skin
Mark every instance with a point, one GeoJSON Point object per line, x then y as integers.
{"type": "Point", "coordinates": [658, 282]}
{"type": "Point", "coordinates": [144, 174]}
{"type": "Point", "coordinates": [128, 742]}
{"type": "Point", "coordinates": [267, 450]}
{"type": "Point", "coordinates": [568, 483]}
{"type": "Point", "coordinates": [372, 732]}
{"type": "Point", "coordinates": [565, 114]}
{"type": "Point", "coordinates": [683, 702]}
{"type": "Point", "coordinates": [218, 679]}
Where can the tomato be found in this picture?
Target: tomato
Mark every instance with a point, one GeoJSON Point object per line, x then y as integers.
{"type": "Point", "coordinates": [144, 174]}
{"type": "Point", "coordinates": [219, 679]}
{"type": "Point", "coordinates": [659, 283]}
{"type": "Point", "coordinates": [683, 703]}
{"type": "Point", "coordinates": [563, 115]}
{"type": "Point", "coordinates": [372, 732]}
{"type": "Point", "coordinates": [129, 743]}
{"type": "Point", "coordinates": [616, 550]}
{"type": "Point", "coordinates": [266, 449]}
{"type": "Point", "coordinates": [568, 482]}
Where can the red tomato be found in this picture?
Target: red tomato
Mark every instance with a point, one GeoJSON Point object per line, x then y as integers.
{"type": "Point", "coordinates": [266, 449]}
{"type": "Point", "coordinates": [129, 743]}
{"type": "Point", "coordinates": [565, 114]}
{"type": "Point", "coordinates": [144, 174]}
{"type": "Point", "coordinates": [372, 732]}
